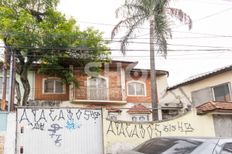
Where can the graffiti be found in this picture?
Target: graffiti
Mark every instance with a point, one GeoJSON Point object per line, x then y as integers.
{"type": "Point", "coordinates": [40, 116]}
{"type": "Point", "coordinates": [52, 117]}
{"type": "Point", "coordinates": [44, 103]}
{"type": "Point", "coordinates": [78, 114]}
{"type": "Point", "coordinates": [91, 114]}
{"type": "Point", "coordinates": [69, 114]}
{"type": "Point", "coordinates": [151, 130]}
{"type": "Point", "coordinates": [61, 115]}
{"type": "Point", "coordinates": [56, 120]}
{"type": "Point", "coordinates": [38, 126]}
{"type": "Point", "coordinates": [71, 125]}
{"type": "Point", "coordinates": [24, 117]}
{"type": "Point", "coordinates": [53, 130]}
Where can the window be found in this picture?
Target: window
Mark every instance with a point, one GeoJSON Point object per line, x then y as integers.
{"type": "Point", "coordinates": [227, 149]}
{"type": "Point", "coordinates": [97, 88]}
{"type": "Point", "coordinates": [168, 146]}
{"type": "Point", "coordinates": [134, 118]}
{"type": "Point", "coordinates": [168, 114]}
{"type": "Point", "coordinates": [54, 86]}
{"type": "Point", "coordinates": [216, 93]}
{"type": "Point", "coordinates": [113, 116]}
{"type": "Point", "coordinates": [140, 118]}
{"type": "Point", "coordinates": [222, 93]}
{"type": "Point", "coordinates": [136, 88]}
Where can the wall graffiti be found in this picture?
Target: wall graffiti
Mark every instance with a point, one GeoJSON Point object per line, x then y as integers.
{"type": "Point", "coordinates": [57, 126]}
{"type": "Point", "coordinates": [56, 115]}
{"type": "Point", "coordinates": [53, 133]}
{"type": "Point", "coordinates": [136, 130]}
{"type": "Point", "coordinates": [44, 103]}
{"type": "Point", "coordinates": [122, 136]}
{"type": "Point", "coordinates": [70, 124]}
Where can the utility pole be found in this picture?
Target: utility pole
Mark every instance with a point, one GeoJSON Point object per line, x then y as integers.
{"type": "Point", "coordinates": [12, 81]}
{"type": "Point", "coordinates": [4, 81]}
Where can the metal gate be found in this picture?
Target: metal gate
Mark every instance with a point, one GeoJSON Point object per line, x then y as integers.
{"type": "Point", "coordinates": [59, 131]}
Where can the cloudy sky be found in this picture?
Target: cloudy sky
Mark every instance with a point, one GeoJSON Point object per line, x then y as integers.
{"type": "Point", "coordinates": [205, 47]}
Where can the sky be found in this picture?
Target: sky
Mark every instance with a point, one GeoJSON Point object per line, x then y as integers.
{"type": "Point", "coordinates": [205, 47]}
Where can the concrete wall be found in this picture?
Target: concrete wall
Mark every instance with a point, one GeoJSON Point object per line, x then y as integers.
{"type": "Point", "coordinates": [2, 140]}
{"type": "Point", "coordinates": [3, 121]}
{"type": "Point", "coordinates": [10, 135]}
{"type": "Point", "coordinates": [122, 135]}
{"type": "Point", "coordinates": [183, 93]}
{"type": "Point", "coordinates": [223, 125]}
{"type": "Point", "coordinates": [3, 128]}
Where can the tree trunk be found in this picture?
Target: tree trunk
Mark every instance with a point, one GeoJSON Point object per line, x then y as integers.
{"type": "Point", "coordinates": [154, 94]}
{"type": "Point", "coordinates": [26, 85]}
{"type": "Point", "coordinates": [18, 93]}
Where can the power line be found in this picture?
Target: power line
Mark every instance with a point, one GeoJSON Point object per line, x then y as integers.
{"type": "Point", "coordinates": [114, 49]}
{"type": "Point", "coordinates": [213, 3]}
{"type": "Point", "coordinates": [184, 45]}
{"type": "Point", "coordinates": [208, 16]}
{"type": "Point", "coordinates": [209, 35]}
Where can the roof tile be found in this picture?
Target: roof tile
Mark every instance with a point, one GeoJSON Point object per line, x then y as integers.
{"type": "Point", "coordinates": [112, 109]}
{"type": "Point", "coordinates": [139, 109]}
{"type": "Point", "coordinates": [214, 105]}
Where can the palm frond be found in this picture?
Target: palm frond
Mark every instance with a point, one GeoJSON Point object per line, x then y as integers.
{"type": "Point", "coordinates": [130, 9]}
{"type": "Point", "coordinates": [129, 33]}
{"type": "Point", "coordinates": [180, 15]}
{"type": "Point", "coordinates": [125, 23]}
{"type": "Point", "coordinates": [162, 32]}
{"type": "Point", "coordinates": [162, 46]}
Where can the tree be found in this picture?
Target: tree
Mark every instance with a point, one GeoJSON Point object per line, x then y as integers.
{"type": "Point", "coordinates": [37, 32]}
{"type": "Point", "coordinates": [157, 12]}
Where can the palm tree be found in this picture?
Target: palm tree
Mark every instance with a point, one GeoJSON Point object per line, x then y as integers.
{"type": "Point", "coordinates": [157, 12]}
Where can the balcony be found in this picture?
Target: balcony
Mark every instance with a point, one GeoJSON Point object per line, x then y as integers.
{"type": "Point", "coordinates": [99, 96]}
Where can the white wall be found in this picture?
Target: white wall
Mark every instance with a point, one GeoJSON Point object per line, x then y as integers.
{"type": "Point", "coordinates": [9, 147]}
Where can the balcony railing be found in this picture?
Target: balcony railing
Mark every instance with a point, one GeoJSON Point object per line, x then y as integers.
{"type": "Point", "coordinates": [97, 94]}
{"type": "Point", "coordinates": [88, 94]}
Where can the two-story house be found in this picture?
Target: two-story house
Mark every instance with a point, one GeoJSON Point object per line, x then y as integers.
{"type": "Point", "coordinates": [120, 87]}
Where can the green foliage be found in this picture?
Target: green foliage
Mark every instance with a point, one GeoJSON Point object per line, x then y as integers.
{"type": "Point", "coordinates": [135, 13]}
{"type": "Point", "coordinates": [37, 32]}
{"type": "Point", "coordinates": [57, 70]}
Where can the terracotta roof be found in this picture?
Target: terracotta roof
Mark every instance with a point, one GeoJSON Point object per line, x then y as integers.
{"type": "Point", "coordinates": [139, 109]}
{"type": "Point", "coordinates": [112, 109]}
{"type": "Point", "coordinates": [91, 106]}
{"type": "Point", "coordinates": [158, 72]}
{"type": "Point", "coordinates": [214, 106]}
{"type": "Point", "coordinates": [202, 76]}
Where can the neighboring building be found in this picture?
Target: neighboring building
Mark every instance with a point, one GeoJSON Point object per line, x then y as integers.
{"type": "Point", "coordinates": [199, 89]}
{"type": "Point", "coordinates": [118, 86]}
{"type": "Point", "coordinates": [209, 93]}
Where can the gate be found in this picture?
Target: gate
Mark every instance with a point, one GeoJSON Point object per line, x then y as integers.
{"type": "Point", "coordinates": [59, 131]}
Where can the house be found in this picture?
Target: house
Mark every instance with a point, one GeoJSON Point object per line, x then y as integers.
{"type": "Point", "coordinates": [120, 87]}
{"type": "Point", "coordinates": [210, 86]}
{"type": "Point", "coordinates": [209, 93]}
